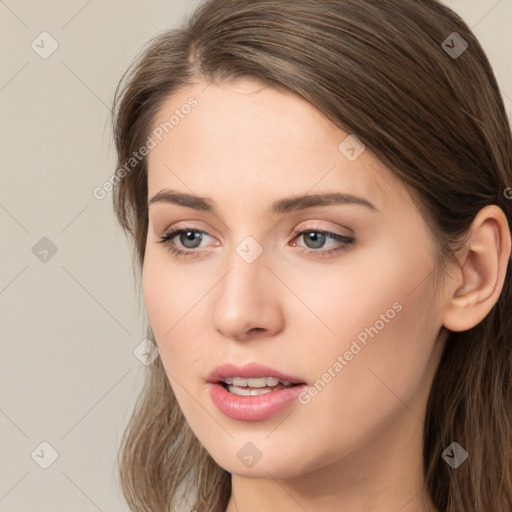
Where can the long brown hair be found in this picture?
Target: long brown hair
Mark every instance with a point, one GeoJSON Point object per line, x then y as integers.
{"type": "Point", "coordinates": [385, 70]}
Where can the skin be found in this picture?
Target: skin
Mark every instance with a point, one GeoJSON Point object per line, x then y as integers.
{"type": "Point", "coordinates": [357, 445]}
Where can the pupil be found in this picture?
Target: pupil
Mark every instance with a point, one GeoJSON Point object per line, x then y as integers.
{"type": "Point", "coordinates": [316, 238]}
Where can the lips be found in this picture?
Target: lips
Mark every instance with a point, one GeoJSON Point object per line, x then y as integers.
{"type": "Point", "coordinates": [239, 401]}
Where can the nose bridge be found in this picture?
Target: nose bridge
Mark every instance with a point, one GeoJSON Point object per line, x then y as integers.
{"type": "Point", "coordinates": [244, 300]}
{"type": "Point", "coordinates": [242, 283]}
{"type": "Point", "coordinates": [246, 262]}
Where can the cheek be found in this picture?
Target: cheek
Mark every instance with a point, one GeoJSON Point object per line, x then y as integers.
{"type": "Point", "coordinates": [161, 291]}
{"type": "Point", "coordinates": [385, 341]}
{"type": "Point", "coordinates": [372, 372]}
{"type": "Point", "coordinates": [173, 300]}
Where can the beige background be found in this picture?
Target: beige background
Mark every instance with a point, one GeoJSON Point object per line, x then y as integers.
{"type": "Point", "coordinates": [69, 326]}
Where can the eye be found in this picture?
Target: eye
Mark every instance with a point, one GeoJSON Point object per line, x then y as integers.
{"type": "Point", "coordinates": [316, 239]}
{"type": "Point", "coordinates": [190, 239]}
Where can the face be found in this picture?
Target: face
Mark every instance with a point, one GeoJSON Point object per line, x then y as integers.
{"type": "Point", "coordinates": [333, 293]}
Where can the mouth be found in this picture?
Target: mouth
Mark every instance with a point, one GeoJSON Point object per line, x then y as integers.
{"type": "Point", "coordinates": [252, 392]}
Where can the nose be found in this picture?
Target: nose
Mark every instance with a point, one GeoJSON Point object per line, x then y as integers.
{"type": "Point", "coordinates": [246, 303]}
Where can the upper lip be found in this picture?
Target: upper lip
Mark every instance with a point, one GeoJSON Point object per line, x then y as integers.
{"type": "Point", "coordinates": [249, 370]}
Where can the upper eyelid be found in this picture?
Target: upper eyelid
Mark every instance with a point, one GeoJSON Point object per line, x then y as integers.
{"type": "Point", "coordinates": [183, 227]}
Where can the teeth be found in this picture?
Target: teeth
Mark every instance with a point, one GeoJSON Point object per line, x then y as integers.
{"type": "Point", "coordinates": [259, 382]}
{"type": "Point", "coordinates": [247, 392]}
{"type": "Point", "coordinates": [255, 386]}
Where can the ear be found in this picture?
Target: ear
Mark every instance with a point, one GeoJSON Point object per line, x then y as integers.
{"type": "Point", "coordinates": [481, 273]}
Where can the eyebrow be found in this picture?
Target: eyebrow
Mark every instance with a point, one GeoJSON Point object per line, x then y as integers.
{"type": "Point", "coordinates": [280, 206]}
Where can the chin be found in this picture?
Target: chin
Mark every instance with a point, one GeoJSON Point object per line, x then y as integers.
{"type": "Point", "coordinates": [273, 463]}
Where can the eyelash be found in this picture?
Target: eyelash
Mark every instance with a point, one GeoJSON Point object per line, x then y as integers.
{"type": "Point", "coordinates": [346, 241]}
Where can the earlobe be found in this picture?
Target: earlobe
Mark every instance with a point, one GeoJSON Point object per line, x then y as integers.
{"type": "Point", "coordinates": [482, 271]}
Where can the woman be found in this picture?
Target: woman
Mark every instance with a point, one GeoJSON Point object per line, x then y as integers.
{"type": "Point", "coordinates": [317, 195]}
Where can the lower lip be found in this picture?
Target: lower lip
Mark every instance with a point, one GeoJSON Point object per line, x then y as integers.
{"type": "Point", "coordinates": [253, 408]}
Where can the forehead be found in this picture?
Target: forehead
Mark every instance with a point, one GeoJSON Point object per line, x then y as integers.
{"type": "Point", "coordinates": [245, 139]}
